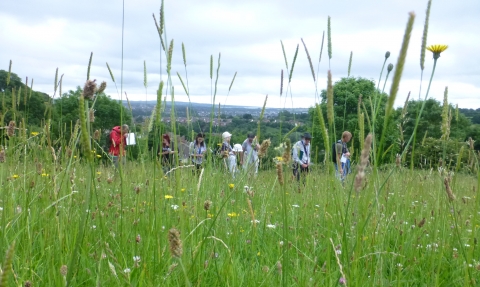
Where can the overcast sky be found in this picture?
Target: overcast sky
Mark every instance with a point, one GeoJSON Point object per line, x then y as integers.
{"type": "Point", "coordinates": [41, 35]}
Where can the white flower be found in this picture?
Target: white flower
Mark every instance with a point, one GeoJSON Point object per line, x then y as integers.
{"type": "Point", "coordinates": [136, 259]}
{"type": "Point", "coordinates": [399, 265]}
{"type": "Point", "coordinates": [256, 221]}
{"type": "Point", "coordinates": [174, 206]}
{"type": "Point", "coordinates": [316, 205]}
{"type": "Point", "coordinates": [1, 208]}
{"type": "Point", "coordinates": [338, 251]}
{"type": "Point", "coordinates": [126, 270]}
{"type": "Point", "coordinates": [295, 205]}
{"type": "Point", "coordinates": [281, 243]}
{"type": "Point", "coordinates": [94, 226]}
{"type": "Point", "coordinates": [455, 249]}
{"type": "Point", "coordinates": [271, 226]}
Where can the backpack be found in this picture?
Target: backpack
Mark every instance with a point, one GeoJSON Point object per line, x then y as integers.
{"type": "Point", "coordinates": [334, 152]}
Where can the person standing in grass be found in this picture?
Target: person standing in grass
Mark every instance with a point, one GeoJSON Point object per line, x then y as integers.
{"type": "Point", "coordinates": [301, 156]}
{"type": "Point", "coordinates": [249, 156]}
{"type": "Point", "coordinates": [166, 151]}
{"type": "Point", "coordinates": [118, 141]}
{"type": "Point", "coordinates": [341, 156]}
{"type": "Point", "coordinates": [228, 154]}
{"type": "Point", "coordinates": [197, 152]}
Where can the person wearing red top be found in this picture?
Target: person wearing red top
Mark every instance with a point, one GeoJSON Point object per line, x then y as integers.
{"type": "Point", "coordinates": [118, 139]}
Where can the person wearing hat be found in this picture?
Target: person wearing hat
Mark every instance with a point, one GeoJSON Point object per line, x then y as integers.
{"type": "Point", "coordinates": [301, 156]}
{"type": "Point", "coordinates": [249, 159]}
{"type": "Point", "coordinates": [341, 156]}
{"type": "Point", "coordinates": [228, 153]}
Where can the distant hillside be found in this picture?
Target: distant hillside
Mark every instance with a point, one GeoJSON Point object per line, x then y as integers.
{"type": "Point", "coordinates": [142, 109]}
{"type": "Point", "coordinates": [473, 115]}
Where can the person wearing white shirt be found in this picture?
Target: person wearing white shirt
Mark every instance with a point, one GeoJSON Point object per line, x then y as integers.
{"type": "Point", "coordinates": [301, 156]}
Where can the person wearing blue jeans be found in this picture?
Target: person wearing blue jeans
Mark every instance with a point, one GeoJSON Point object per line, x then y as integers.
{"type": "Point", "coordinates": [341, 156]}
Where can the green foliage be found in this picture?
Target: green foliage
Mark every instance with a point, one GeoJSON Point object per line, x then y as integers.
{"type": "Point", "coordinates": [346, 94]}
{"type": "Point", "coordinates": [107, 113]}
{"type": "Point", "coordinates": [429, 153]}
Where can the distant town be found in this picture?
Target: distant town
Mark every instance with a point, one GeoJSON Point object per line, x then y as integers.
{"type": "Point", "coordinates": [203, 112]}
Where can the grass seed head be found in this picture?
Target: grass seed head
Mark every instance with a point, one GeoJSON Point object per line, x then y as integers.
{"type": "Point", "coordinates": [2, 155]}
{"type": "Point", "coordinates": [448, 189]}
{"type": "Point", "coordinates": [11, 128]}
{"type": "Point", "coordinates": [207, 204]}
{"type": "Point", "coordinates": [102, 88]}
{"type": "Point", "coordinates": [264, 148]}
{"type": "Point", "coordinates": [175, 243]}
{"type": "Point", "coordinates": [280, 173]}
{"type": "Point", "coordinates": [64, 270]}
{"type": "Point", "coordinates": [89, 89]}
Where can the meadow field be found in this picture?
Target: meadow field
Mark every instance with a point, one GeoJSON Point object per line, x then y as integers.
{"type": "Point", "coordinates": [136, 227]}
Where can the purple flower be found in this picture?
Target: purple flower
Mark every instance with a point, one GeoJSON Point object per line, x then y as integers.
{"type": "Point", "coordinates": [342, 281]}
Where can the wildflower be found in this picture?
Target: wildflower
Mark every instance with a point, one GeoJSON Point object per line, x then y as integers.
{"type": "Point", "coordinates": [183, 190]}
{"type": "Point", "coordinates": [138, 238]}
{"type": "Point", "coordinates": [168, 196]}
{"type": "Point", "coordinates": [232, 214]}
{"type": "Point", "coordinates": [258, 253]}
{"type": "Point", "coordinates": [33, 134]}
{"type": "Point", "coordinates": [45, 174]}
{"type": "Point", "coordinates": [295, 205]}
{"type": "Point", "coordinates": [231, 185]}
{"type": "Point", "coordinates": [127, 270]}
{"type": "Point", "coordinates": [271, 226]}
{"type": "Point", "coordinates": [175, 243]}
{"type": "Point", "coordinates": [99, 156]}
{"type": "Point", "coordinates": [437, 50]}
{"type": "Point", "coordinates": [136, 259]}
{"type": "Point", "coordinates": [15, 176]}
{"type": "Point", "coordinates": [174, 206]}
{"type": "Point", "coordinates": [342, 281]}
{"type": "Point", "coordinates": [99, 173]}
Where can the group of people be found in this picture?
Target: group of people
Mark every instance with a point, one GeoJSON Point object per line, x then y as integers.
{"type": "Point", "coordinates": [246, 154]}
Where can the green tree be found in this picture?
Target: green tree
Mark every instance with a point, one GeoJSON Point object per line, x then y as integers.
{"type": "Point", "coordinates": [346, 98]}
{"type": "Point", "coordinates": [107, 113]}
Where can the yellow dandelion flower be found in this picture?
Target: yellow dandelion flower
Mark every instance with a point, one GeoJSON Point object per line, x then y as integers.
{"type": "Point", "coordinates": [279, 158]}
{"type": "Point", "coordinates": [45, 174]}
{"type": "Point", "coordinates": [183, 190]}
{"type": "Point", "coordinates": [219, 144]}
{"type": "Point", "coordinates": [99, 173]}
{"type": "Point", "coordinates": [168, 196]}
{"type": "Point", "coordinates": [258, 253]}
{"type": "Point", "coordinates": [209, 215]}
{"type": "Point", "coordinates": [437, 50]}
{"type": "Point", "coordinates": [231, 185]}
{"type": "Point", "coordinates": [99, 156]}
{"type": "Point", "coordinates": [15, 176]}
{"type": "Point", "coordinates": [232, 214]}
{"type": "Point", "coordinates": [34, 134]}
